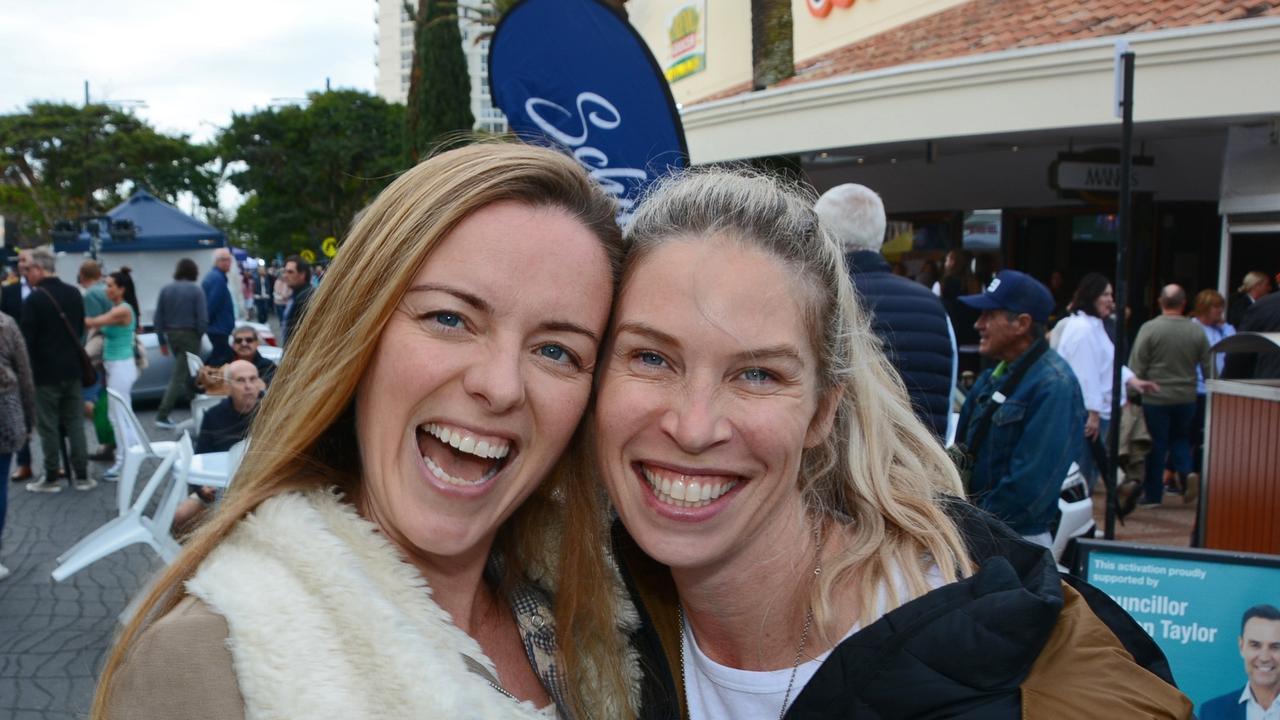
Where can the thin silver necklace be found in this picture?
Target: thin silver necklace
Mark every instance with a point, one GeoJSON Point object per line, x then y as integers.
{"type": "Point", "coordinates": [804, 637]}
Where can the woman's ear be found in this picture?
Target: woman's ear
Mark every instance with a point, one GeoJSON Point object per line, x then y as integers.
{"type": "Point", "coordinates": [824, 418]}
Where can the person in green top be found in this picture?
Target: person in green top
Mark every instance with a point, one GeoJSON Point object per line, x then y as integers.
{"type": "Point", "coordinates": [118, 326]}
{"type": "Point", "coordinates": [94, 291]}
{"type": "Point", "coordinates": [1167, 351]}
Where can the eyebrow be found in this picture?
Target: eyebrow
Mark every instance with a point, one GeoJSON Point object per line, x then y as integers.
{"type": "Point", "coordinates": [476, 302]}
{"type": "Point", "coordinates": [639, 328]}
{"type": "Point", "coordinates": [773, 352]}
{"type": "Point", "coordinates": [776, 352]}
{"type": "Point", "coordinates": [466, 297]}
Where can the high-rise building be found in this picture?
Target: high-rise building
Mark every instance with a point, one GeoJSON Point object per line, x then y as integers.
{"type": "Point", "coordinates": [394, 59]}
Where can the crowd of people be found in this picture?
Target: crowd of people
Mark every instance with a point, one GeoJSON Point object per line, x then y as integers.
{"type": "Point", "coordinates": [693, 469]}
{"type": "Point", "coordinates": [65, 346]}
{"type": "Point", "coordinates": [1165, 377]}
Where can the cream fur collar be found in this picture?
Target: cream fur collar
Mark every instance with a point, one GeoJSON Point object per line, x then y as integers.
{"type": "Point", "coordinates": [326, 621]}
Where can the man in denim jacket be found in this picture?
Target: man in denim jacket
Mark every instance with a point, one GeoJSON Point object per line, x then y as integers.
{"type": "Point", "coordinates": [1039, 427]}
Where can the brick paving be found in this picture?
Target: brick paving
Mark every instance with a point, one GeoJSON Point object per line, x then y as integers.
{"type": "Point", "coordinates": [54, 636]}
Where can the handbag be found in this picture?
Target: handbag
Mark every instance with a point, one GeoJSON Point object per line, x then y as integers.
{"type": "Point", "coordinates": [140, 353]}
{"type": "Point", "coordinates": [965, 456]}
{"type": "Point", "coordinates": [88, 374]}
{"type": "Point", "coordinates": [13, 422]}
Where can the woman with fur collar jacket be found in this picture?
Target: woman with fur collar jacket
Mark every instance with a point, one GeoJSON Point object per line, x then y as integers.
{"type": "Point", "coordinates": [413, 497]}
{"type": "Point", "coordinates": [793, 532]}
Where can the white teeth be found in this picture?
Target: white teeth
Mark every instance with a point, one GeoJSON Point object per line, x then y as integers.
{"type": "Point", "coordinates": [468, 444]}
{"type": "Point", "coordinates": [683, 492]}
{"type": "Point", "coordinates": [677, 489]}
{"type": "Point", "coordinates": [440, 473]}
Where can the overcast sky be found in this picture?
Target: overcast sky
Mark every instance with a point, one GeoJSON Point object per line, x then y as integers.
{"type": "Point", "coordinates": [191, 63]}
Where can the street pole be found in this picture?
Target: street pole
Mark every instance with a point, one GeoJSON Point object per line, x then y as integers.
{"type": "Point", "coordinates": [1122, 288]}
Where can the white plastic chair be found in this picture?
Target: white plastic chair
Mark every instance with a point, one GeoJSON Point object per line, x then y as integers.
{"type": "Point", "coordinates": [169, 483]}
{"type": "Point", "coordinates": [201, 404]}
{"type": "Point", "coordinates": [134, 455]}
{"type": "Point", "coordinates": [217, 469]}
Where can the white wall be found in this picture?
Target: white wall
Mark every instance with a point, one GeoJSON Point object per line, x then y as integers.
{"type": "Point", "coordinates": [150, 270]}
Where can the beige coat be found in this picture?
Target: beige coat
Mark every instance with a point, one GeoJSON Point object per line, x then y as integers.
{"type": "Point", "coordinates": [180, 668]}
{"type": "Point", "coordinates": [305, 611]}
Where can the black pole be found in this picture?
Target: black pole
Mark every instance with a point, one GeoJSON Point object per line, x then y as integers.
{"type": "Point", "coordinates": [1122, 293]}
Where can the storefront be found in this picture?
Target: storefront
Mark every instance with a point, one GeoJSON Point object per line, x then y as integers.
{"type": "Point", "coordinates": [963, 122]}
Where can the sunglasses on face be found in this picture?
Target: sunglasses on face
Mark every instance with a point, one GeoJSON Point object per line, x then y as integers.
{"type": "Point", "coordinates": [244, 341]}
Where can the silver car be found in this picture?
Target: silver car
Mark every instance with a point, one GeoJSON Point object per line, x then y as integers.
{"type": "Point", "coordinates": [152, 381]}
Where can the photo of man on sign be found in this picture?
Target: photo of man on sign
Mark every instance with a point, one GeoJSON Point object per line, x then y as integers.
{"type": "Point", "coordinates": [1260, 648]}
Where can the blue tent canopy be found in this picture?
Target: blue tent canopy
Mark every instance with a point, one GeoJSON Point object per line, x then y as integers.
{"type": "Point", "coordinates": [159, 226]}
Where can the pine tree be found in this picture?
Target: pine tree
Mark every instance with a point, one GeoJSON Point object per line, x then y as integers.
{"type": "Point", "coordinates": [439, 104]}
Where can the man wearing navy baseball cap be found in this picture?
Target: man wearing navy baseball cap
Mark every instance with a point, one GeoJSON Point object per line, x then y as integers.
{"type": "Point", "coordinates": [1023, 422]}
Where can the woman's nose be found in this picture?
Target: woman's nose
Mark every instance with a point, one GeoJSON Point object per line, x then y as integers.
{"type": "Point", "coordinates": [696, 422]}
{"type": "Point", "coordinates": [496, 380]}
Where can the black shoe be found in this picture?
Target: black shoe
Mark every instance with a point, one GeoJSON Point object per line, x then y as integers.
{"type": "Point", "coordinates": [1127, 495]}
{"type": "Point", "coordinates": [1149, 501]}
{"type": "Point", "coordinates": [107, 453]}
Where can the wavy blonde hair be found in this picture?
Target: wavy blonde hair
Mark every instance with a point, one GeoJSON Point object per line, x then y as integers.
{"type": "Point", "coordinates": [880, 475]}
{"type": "Point", "coordinates": [306, 421]}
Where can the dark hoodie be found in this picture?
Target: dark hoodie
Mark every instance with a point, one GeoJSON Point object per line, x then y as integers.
{"type": "Point", "coordinates": [1013, 640]}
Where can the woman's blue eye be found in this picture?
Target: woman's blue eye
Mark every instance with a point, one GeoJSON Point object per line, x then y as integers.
{"type": "Point", "coordinates": [448, 319]}
{"type": "Point", "coordinates": [651, 359]}
{"type": "Point", "coordinates": [554, 352]}
{"type": "Point", "coordinates": [757, 375]}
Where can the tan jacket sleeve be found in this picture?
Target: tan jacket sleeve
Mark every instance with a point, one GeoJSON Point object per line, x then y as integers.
{"type": "Point", "coordinates": [180, 667]}
{"type": "Point", "coordinates": [1084, 667]}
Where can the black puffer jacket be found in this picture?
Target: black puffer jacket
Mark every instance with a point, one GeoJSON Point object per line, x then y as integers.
{"type": "Point", "coordinates": [1012, 641]}
{"type": "Point", "coordinates": [911, 321]}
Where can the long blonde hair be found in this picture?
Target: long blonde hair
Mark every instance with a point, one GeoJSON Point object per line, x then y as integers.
{"type": "Point", "coordinates": [880, 475]}
{"type": "Point", "coordinates": [305, 424]}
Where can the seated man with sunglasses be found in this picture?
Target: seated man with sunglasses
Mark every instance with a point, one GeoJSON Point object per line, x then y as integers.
{"type": "Point", "coordinates": [244, 343]}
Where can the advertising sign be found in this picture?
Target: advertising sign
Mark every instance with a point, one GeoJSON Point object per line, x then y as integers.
{"type": "Point", "coordinates": [572, 74]}
{"type": "Point", "coordinates": [687, 31]}
{"type": "Point", "coordinates": [1101, 176]}
{"type": "Point", "coordinates": [1194, 603]}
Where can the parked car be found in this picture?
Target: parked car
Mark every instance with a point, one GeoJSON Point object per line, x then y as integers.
{"type": "Point", "coordinates": [152, 381]}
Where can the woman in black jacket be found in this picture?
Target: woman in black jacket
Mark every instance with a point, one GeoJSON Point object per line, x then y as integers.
{"type": "Point", "coordinates": [793, 533]}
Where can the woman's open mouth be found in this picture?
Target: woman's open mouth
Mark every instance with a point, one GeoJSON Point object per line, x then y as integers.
{"type": "Point", "coordinates": [682, 490]}
{"type": "Point", "coordinates": [457, 456]}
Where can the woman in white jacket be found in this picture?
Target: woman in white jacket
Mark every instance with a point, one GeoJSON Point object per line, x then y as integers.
{"type": "Point", "coordinates": [1085, 345]}
{"type": "Point", "coordinates": [413, 533]}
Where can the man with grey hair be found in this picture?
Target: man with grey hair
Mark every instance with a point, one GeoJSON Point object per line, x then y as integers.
{"type": "Point", "coordinates": [220, 307]}
{"type": "Point", "coordinates": [1255, 286]}
{"type": "Point", "coordinates": [907, 317]}
{"type": "Point", "coordinates": [224, 425]}
{"type": "Point", "coordinates": [244, 343]}
{"type": "Point", "coordinates": [1167, 351]}
{"type": "Point", "coordinates": [53, 327]}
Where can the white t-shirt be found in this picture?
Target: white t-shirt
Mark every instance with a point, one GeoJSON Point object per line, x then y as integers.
{"type": "Point", "coordinates": [714, 691]}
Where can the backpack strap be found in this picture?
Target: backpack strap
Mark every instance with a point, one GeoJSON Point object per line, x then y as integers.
{"type": "Point", "coordinates": [1003, 393]}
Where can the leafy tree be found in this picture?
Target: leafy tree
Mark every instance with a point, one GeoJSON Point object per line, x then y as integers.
{"type": "Point", "coordinates": [771, 42]}
{"type": "Point", "coordinates": [439, 104]}
{"type": "Point", "coordinates": [59, 161]}
{"type": "Point", "coordinates": [306, 171]}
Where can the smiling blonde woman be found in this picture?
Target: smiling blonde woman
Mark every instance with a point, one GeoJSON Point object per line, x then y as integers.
{"type": "Point", "coordinates": [793, 532]}
{"type": "Point", "coordinates": [400, 527]}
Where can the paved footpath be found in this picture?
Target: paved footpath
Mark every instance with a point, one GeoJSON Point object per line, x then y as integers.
{"type": "Point", "coordinates": [54, 636]}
